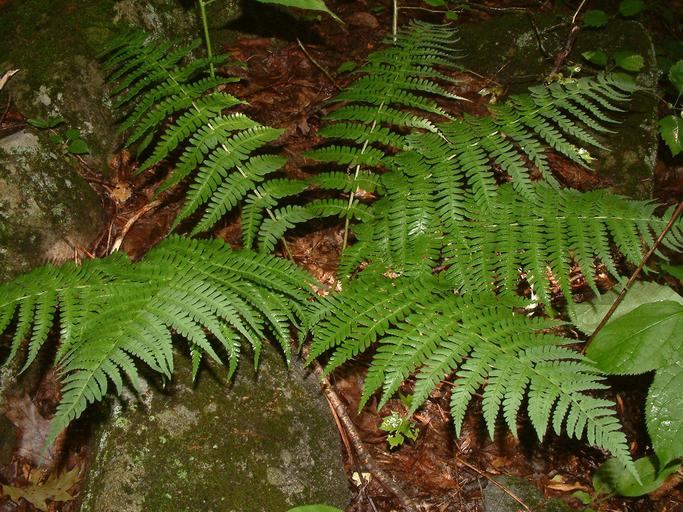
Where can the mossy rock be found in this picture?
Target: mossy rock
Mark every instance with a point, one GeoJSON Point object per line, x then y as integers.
{"type": "Point", "coordinates": [497, 500]}
{"type": "Point", "coordinates": [46, 208]}
{"type": "Point", "coordinates": [266, 442]}
{"type": "Point", "coordinates": [54, 44]}
{"type": "Point", "coordinates": [507, 48]}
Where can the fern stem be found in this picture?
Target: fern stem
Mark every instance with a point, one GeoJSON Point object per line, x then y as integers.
{"type": "Point", "coordinates": [394, 24]}
{"type": "Point", "coordinates": [207, 37]}
{"type": "Point", "coordinates": [352, 196]}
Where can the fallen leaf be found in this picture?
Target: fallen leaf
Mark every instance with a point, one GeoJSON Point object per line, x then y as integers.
{"type": "Point", "coordinates": [32, 431]}
{"type": "Point", "coordinates": [56, 488]}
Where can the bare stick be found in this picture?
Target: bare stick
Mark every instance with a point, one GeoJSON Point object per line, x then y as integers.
{"type": "Point", "coordinates": [494, 482]}
{"type": "Point", "coordinates": [561, 57]}
{"type": "Point", "coordinates": [634, 276]}
{"type": "Point", "coordinates": [363, 455]}
{"type": "Point", "coordinates": [318, 65]}
{"type": "Point", "coordinates": [131, 221]}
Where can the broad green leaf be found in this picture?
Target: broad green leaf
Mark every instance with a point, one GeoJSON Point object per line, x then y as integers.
{"type": "Point", "coordinates": [671, 130]}
{"type": "Point", "coordinates": [664, 412]}
{"type": "Point", "coordinates": [50, 122]}
{"type": "Point", "coordinates": [452, 15]}
{"type": "Point", "coordinates": [597, 57]}
{"type": "Point", "coordinates": [629, 8]}
{"type": "Point", "coordinates": [435, 3]}
{"type": "Point", "coordinates": [676, 76]}
{"type": "Point", "coordinates": [648, 338]}
{"type": "Point", "coordinates": [629, 60]}
{"type": "Point", "coordinates": [78, 147]}
{"type": "Point", "coordinates": [595, 18]}
{"type": "Point", "coordinates": [589, 314]}
{"type": "Point", "coordinates": [314, 508]}
{"type": "Point", "coordinates": [674, 270]}
{"type": "Point", "coordinates": [614, 478]}
{"type": "Point", "coordinates": [310, 5]}
{"type": "Point", "coordinates": [72, 133]}
{"type": "Point", "coordinates": [347, 66]}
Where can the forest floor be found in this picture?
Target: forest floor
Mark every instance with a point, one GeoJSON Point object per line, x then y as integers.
{"type": "Point", "coordinates": [286, 84]}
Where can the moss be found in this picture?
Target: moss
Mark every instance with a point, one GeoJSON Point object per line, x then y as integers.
{"type": "Point", "coordinates": [264, 443]}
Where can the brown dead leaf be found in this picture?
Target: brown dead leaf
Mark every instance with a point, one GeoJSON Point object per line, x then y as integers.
{"type": "Point", "coordinates": [56, 488]}
{"type": "Point", "coordinates": [32, 431]}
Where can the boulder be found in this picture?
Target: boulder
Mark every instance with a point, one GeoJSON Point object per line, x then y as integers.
{"type": "Point", "coordinates": [46, 209]}
{"type": "Point", "coordinates": [266, 442]}
{"type": "Point", "coordinates": [507, 48]}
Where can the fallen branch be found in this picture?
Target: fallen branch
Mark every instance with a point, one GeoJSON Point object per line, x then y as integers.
{"type": "Point", "coordinates": [366, 460]}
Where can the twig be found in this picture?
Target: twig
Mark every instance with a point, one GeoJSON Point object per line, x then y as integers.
{"type": "Point", "coordinates": [119, 240]}
{"type": "Point", "coordinates": [363, 455]}
{"type": "Point", "coordinates": [493, 481]}
{"type": "Point", "coordinates": [351, 453]}
{"type": "Point", "coordinates": [634, 276]}
{"type": "Point", "coordinates": [318, 65]}
{"type": "Point", "coordinates": [561, 57]}
{"type": "Point", "coordinates": [490, 10]}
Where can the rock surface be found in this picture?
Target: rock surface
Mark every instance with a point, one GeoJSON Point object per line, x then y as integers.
{"type": "Point", "coordinates": [46, 209]}
{"type": "Point", "coordinates": [507, 48]}
{"type": "Point", "coordinates": [264, 443]}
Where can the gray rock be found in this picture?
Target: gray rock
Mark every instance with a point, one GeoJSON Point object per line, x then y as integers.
{"type": "Point", "coordinates": [46, 208]}
{"type": "Point", "coordinates": [265, 443]}
{"type": "Point", "coordinates": [507, 48]}
{"type": "Point", "coordinates": [56, 54]}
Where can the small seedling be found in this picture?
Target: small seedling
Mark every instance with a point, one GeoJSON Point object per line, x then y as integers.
{"type": "Point", "coordinates": [70, 140]}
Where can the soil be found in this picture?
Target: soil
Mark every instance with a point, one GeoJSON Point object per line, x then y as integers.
{"type": "Point", "coordinates": [285, 87]}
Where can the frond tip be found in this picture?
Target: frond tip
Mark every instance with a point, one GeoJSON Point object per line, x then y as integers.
{"type": "Point", "coordinates": [113, 312]}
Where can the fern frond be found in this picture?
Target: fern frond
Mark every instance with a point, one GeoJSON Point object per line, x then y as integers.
{"type": "Point", "coordinates": [151, 77]}
{"type": "Point", "coordinates": [273, 229]}
{"type": "Point", "coordinates": [113, 312]}
{"type": "Point", "coordinates": [434, 332]}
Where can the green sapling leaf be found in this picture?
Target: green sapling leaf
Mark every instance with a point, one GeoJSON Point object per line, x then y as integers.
{"type": "Point", "coordinates": [628, 8]}
{"type": "Point", "coordinates": [309, 5]}
{"type": "Point", "coordinates": [664, 413]}
{"type": "Point", "coordinates": [597, 57]}
{"type": "Point", "coordinates": [78, 147]}
{"type": "Point", "coordinates": [648, 338]}
{"type": "Point", "coordinates": [629, 60]}
{"type": "Point", "coordinates": [595, 18]}
{"type": "Point", "coordinates": [614, 478]}
{"type": "Point", "coordinates": [676, 76]}
{"type": "Point", "coordinates": [671, 130]}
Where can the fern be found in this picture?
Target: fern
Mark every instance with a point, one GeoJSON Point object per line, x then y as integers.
{"type": "Point", "coordinates": [422, 328]}
{"type": "Point", "coordinates": [393, 95]}
{"type": "Point", "coordinates": [113, 312]}
{"type": "Point", "coordinates": [218, 149]}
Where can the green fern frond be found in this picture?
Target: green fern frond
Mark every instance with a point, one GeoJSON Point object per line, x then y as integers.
{"type": "Point", "coordinates": [152, 79]}
{"type": "Point", "coordinates": [113, 312]}
{"type": "Point", "coordinates": [273, 229]}
{"type": "Point", "coordinates": [422, 329]}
